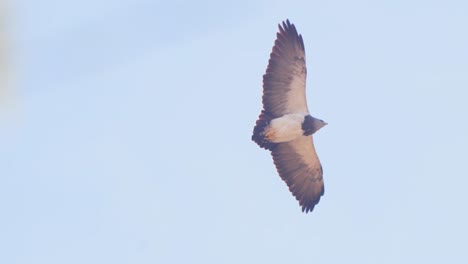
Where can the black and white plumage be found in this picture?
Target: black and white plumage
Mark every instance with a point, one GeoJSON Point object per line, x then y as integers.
{"type": "Point", "coordinates": [285, 126]}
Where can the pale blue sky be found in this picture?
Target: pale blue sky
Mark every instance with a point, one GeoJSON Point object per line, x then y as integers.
{"type": "Point", "coordinates": [130, 136]}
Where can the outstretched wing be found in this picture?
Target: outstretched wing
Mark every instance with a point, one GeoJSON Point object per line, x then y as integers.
{"type": "Point", "coordinates": [298, 165]}
{"type": "Point", "coordinates": [285, 78]}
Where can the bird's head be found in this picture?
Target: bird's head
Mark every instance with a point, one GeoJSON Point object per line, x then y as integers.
{"type": "Point", "coordinates": [312, 125]}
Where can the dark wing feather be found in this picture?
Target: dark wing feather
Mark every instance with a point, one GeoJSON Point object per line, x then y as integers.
{"type": "Point", "coordinates": [285, 77]}
{"type": "Point", "coordinates": [258, 136]}
{"type": "Point", "coordinates": [298, 165]}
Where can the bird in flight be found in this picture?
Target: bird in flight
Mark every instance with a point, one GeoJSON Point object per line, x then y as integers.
{"type": "Point", "coordinates": [285, 126]}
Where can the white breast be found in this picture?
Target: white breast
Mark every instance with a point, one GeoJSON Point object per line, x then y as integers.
{"type": "Point", "coordinates": [285, 128]}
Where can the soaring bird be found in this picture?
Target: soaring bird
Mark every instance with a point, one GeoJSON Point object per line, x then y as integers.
{"type": "Point", "coordinates": [285, 126]}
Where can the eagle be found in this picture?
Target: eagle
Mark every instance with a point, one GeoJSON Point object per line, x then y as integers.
{"type": "Point", "coordinates": [284, 125]}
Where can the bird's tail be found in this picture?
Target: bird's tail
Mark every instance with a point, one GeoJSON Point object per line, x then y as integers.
{"type": "Point", "coordinates": [258, 132]}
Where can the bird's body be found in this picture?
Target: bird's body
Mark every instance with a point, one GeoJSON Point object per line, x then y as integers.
{"type": "Point", "coordinates": [285, 126]}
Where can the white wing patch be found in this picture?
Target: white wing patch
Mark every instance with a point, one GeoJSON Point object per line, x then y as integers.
{"type": "Point", "coordinates": [307, 153]}
{"type": "Point", "coordinates": [296, 98]}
